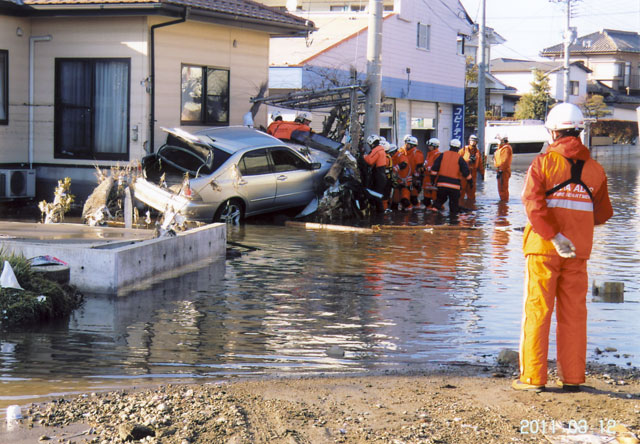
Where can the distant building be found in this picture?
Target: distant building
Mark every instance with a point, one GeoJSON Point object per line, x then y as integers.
{"type": "Point", "coordinates": [423, 60]}
{"type": "Point", "coordinates": [519, 75]}
{"type": "Point", "coordinates": [613, 58]}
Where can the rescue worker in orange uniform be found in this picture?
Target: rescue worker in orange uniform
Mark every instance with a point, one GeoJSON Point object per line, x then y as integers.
{"type": "Point", "coordinates": [390, 151]}
{"type": "Point", "coordinates": [377, 159]}
{"type": "Point", "coordinates": [565, 195]}
{"type": "Point", "coordinates": [402, 173]}
{"type": "Point", "coordinates": [416, 163]}
{"type": "Point", "coordinates": [433, 151]}
{"type": "Point", "coordinates": [446, 172]}
{"type": "Point", "coordinates": [277, 121]}
{"type": "Point", "coordinates": [472, 155]}
{"type": "Point", "coordinates": [301, 123]}
{"type": "Point", "coordinates": [502, 163]}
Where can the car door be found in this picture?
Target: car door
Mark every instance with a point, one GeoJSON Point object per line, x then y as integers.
{"type": "Point", "coordinates": [294, 178]}
{"type": "Point", "coordinates": [257, 182]}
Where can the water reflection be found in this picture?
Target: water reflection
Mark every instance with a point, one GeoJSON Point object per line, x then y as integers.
{"type": "Point", "coordinates": [389, 300]}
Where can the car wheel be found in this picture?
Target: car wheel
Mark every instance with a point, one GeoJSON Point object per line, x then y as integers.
{"type": "Point", "coordinates": [230, 211]}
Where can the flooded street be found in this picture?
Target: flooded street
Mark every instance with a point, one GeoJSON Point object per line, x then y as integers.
{"type": "Point", "coordinates": [309, 302]}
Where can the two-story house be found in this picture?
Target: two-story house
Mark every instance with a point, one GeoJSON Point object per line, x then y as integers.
{"type": "Point", "coordinates": [423, 61]}
{"type": "Point", "coordinates": [519, 74]}
{"type": "Point", "coordinates": [86, 83]}
{"type": "Point", "coordinates": [614, 60]}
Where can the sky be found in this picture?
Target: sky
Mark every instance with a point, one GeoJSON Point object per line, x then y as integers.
{"type": "Point", "coordinates": [532, 25]}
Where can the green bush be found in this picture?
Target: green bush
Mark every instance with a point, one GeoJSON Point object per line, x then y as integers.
{"type": "Point", "coordinates": [25, 307]}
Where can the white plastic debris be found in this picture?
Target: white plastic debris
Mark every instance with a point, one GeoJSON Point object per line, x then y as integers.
{"type": "Point", "coordinates": [41, 298]}
{"type": "Point", "coordinates": [8, 278]}
{"type": "Point", "coordinates": [13, 413]}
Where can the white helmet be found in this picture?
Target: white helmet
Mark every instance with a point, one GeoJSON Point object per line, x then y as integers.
{"type": "Point", "coordinates": [373, 140]}
{"type": "Point", "coordinates": [564, 116]}
{"type": "Point", "coordinates": [304, 115]}
{"type": "Point", "coordinates": [411, 140]}
{"type": "Point", "coordinates": [455, 143]}
{"type": "Point", "coordinates": [433, 142]}
{"type": "Point", "coordinates": [473, 138]}
{"type": "Point", "coordinates": [275, 115]}
{"type": "Point", "coordinates": [391, 148]}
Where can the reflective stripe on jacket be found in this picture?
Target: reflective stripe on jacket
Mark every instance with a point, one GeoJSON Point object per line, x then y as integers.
{"type": "Point", "coordinates": [377, 157]}
{"type": "Point", "coordinates": [450, 167]}
{"type": "Point", "coordinates": [569, 210]}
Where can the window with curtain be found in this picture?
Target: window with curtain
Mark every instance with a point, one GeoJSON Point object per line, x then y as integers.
{"type": "Point", "coordinates": [4, 87]}
{"type": "Point", "coordinates": [204, 96]}
{"type": "Point", "coordinates": [92, 109]}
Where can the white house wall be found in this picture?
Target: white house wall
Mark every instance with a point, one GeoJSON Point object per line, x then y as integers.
{"type": "Point", "coordinates": [14, 135]}
{"type": "Point", "coordinates": [87, 38]}
{"type": "Point", "coordinates": [208, 45]}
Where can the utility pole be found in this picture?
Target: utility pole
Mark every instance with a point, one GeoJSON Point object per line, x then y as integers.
{"type": "Point", "coordinates": [374, 75]}
{"type": "Point", "coordinates": [482, 100]}
{"type": "Point", "coordinates": [569, 36]}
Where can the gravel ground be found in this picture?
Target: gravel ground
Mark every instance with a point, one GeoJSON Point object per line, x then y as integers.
{"type": "Point", "coordinates": [458, 404]}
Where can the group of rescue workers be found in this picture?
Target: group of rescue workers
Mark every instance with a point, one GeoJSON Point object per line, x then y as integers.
{"type": "Point", "coordinates": [282, 129]}
{"type": "Point", "coordinates": [402, 175]}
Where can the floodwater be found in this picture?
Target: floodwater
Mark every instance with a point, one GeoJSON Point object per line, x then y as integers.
{"type": "Point", "coordinates": [294, 300]}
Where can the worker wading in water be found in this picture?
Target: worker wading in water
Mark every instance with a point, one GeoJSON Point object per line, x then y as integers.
{"type": "Point", "coordinates": [446, 172]}
{"type": "Point", "coordinates": [472, 155]}
{"type": "Point", "coordinates": [502, 163]}
{"type": "Point", "coordinates": [377, 159]}
{"type": "Point", "coordinates": [433, 151]}
{"type": "Point", "coordinates": [416, 163]}
{"type": "Point", "coordinates": [402, 185]}
{"type": "Point", "coordinates": [565, 195]}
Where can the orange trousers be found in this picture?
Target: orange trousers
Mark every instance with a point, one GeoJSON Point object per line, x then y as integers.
{"type": "Point", "coordinates": [503, 186]}
{"type": "Point", "coordinates": [549, 280]}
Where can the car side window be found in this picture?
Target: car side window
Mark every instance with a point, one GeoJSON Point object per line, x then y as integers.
{"type": "Point", "coordinates": [285, 160]}
{"type": "Point", "coordinates": [254, 163]}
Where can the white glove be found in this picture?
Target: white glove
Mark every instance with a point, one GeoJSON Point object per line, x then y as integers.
{"type": "Point", "coordinates": [563, 246]}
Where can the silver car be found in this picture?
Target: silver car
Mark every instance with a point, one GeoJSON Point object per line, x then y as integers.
{"type": "Point", "coordinates": [228, 173]}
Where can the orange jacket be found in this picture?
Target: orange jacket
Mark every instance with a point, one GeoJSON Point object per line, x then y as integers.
{"type": "Point", "coordinates": [284, 130]}
{"type": "Point", "coordinates": [502, 158]}
{"type": "Point", "coordinates": [569, 210]}
{"type": "Point", "coordinates": [377, 157]}
{"type": "Point", "coordinates": [402, 167]}
{"type": "Point", "coordinates": [449, 168]}
{"type": "Point", "coordinates": [273, 126]}
{"type": "Point", "coordinates": [416, 160]}
{"type": "Point", "coordinates": [476, 165]}
{"type": "Point", "coordinates": [431, 158]}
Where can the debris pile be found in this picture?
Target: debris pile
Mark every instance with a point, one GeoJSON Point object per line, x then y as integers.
{"type": "Point", "coordinates": [107, 201]}
{"type": "Point", "coordinates": [53, 213]}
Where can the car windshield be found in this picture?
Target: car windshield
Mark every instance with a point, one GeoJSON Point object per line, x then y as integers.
{"type": "Point", "coordinates": [193, 158]}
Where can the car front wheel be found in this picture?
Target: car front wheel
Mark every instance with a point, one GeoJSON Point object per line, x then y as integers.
{"type": "Point", "coordinates": [230, 211]}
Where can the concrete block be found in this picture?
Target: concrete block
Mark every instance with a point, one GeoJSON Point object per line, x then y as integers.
{"type": "Point", "coordinates": [127, 263]}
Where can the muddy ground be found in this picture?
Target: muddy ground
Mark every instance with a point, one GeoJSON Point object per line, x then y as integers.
{"type": "Point", "coordinates": [455, 404]}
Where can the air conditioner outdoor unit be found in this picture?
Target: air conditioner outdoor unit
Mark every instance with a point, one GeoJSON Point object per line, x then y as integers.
{"type": "Point", "coordinates": [17, 183]}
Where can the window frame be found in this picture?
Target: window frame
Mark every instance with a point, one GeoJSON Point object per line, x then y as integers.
{"type": "Point", "coordinates": [574, 87]}
{"type": "Point", "coordinates": [4, 53]}
{"type": "Point", "coordinates": [203, 102]}
{"type": "Point", "coordinates": [94, 155]}
{"type": "Point", "coordinates": [427, 32]}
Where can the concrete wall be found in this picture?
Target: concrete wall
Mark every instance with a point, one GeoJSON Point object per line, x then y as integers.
{"type": "Point", "coordinates": [117, 268]}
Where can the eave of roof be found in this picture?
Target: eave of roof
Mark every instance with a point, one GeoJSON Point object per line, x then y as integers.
{"type": "Point", "coordinates": [243, 13]}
